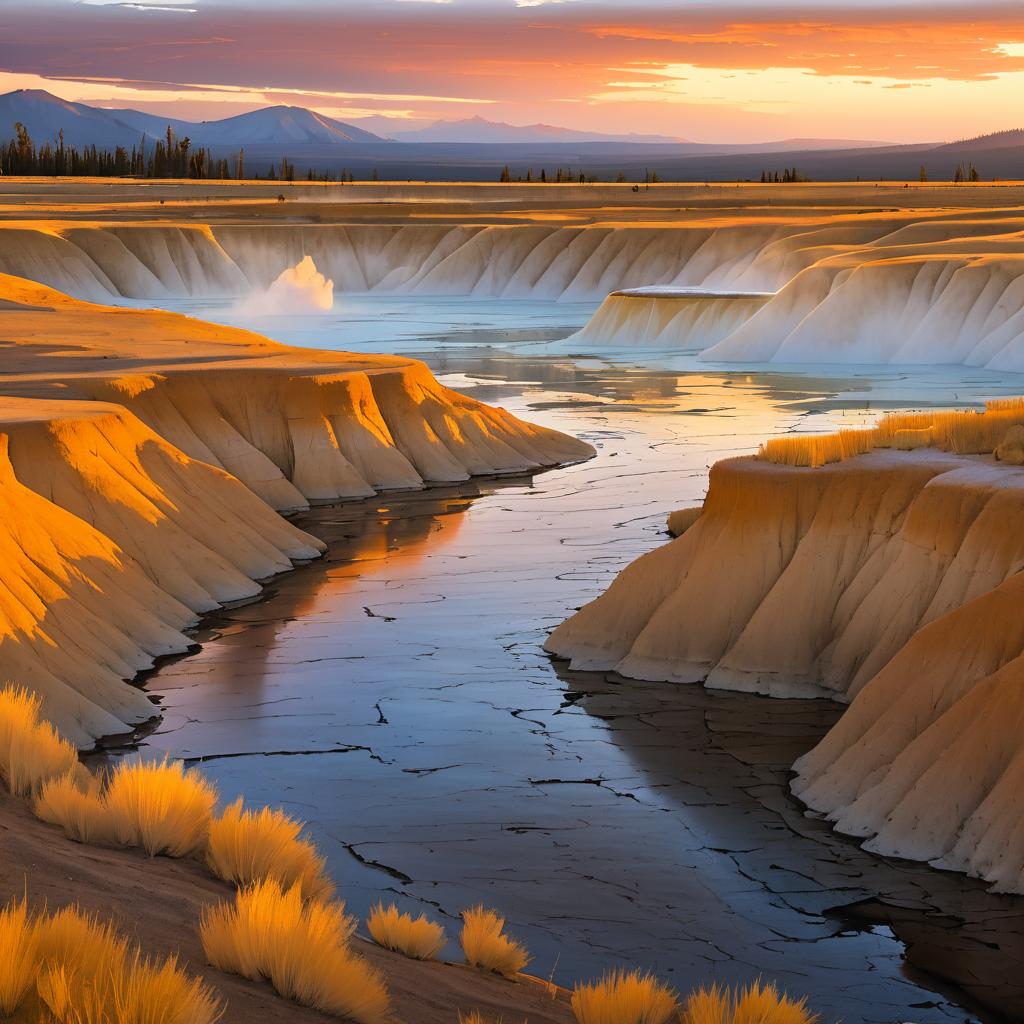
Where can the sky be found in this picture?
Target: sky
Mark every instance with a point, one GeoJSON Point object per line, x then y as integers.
{"type": "Point", "coordinates": [736, 70]}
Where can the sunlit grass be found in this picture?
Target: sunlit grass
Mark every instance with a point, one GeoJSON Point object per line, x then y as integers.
{"type": "Point", "coordinates": [159, 806]}
{"type": "Point", "coordinates": [19, 959]}
{"type": "Point", "coordinates": [85, 973]}
{"type": "Point", "coordinates": [75, 804]}
{"type": "Point", "coordinates": [486, 946]}
{"type": "Point", "coordinates": [756, 1004]}
{"type": "Point", "coordinates": [301, 947]}
{"type": "Point", "coordinates": [31, 752]}
{"type": "Point", "coordinates": [247, 846]}
{"type": "Point", "coordinates": [963, 432]}
{"type": "Point", "coordinates": [419, 937]}
{"type": "Point", "coordinates": [623, 997]}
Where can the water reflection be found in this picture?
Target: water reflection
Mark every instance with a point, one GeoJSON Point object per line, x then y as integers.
{"type": "Point", "coordinates": [396, 696]}
{"type": "Point", "coordinates": [723, 765]}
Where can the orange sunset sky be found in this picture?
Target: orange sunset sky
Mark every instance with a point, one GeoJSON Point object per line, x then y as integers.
{"type": "Point", "coordinates": [747, 71]}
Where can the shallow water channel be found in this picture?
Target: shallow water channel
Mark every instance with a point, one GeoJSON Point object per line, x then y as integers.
{"type": "Point", "coordinates": [395, 696]}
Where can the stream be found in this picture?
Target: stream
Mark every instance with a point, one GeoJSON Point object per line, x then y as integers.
{"type": "Point", "coordinates": [395, 696]}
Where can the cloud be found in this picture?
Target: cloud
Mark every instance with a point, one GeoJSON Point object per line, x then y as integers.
{"type": "Point", "coordinates": [166, 6]}
{"type": "Point", "coordinates": [424, 59]}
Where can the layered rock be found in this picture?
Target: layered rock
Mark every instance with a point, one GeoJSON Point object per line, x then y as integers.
{"type": "Point", "coordinates": [889, 581]}
{"type": "Point", "coordinates": [143, 455]}
{"type": "Point", "coordinates": [672, 318]}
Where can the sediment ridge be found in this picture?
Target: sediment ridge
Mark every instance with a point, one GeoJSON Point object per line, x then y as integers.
{"type": "Point", "coordinates": [143, 457]}
{"type": "Point", "coordinates": [889, 581]}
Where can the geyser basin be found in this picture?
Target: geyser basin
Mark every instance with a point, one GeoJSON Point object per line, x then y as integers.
{"type": "Point", "coordinates": [862, 275]}
{"type": "Point", "coordinates": [396, 696]}
{"type": "Point", "coordinates": [570, 787]}
{"type": "Point", "coordinates": [147, 458]}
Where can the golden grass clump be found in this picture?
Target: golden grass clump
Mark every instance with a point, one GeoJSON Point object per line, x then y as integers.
{"type": "Point", "coordinates": [962, 431]}
{"type": "Point", "coordinates": [159, 806]}
{"type": "Point", "coordinates": [301, 947]}
{"type": "Point", "coordinates": [418, 938]}
{"type": "Point", "coordinates": [85, 973]}
{"type": "Point", "coordinates": [756, 1004]}
{"type": "Point", "coordinates": [19, 959]}
{"type": "Point", "coordinates": [624, 997]}
{"type": "Point", "coordinates": [75, 803]}
{"type": "Point", "coordinates": [247, 846]}
{"type": "Point", "coordinates": [485, 945]}
{"type": "Point", "coordinates": [31, 751]}
{"type": "Point", "coordinates": [131, 990]}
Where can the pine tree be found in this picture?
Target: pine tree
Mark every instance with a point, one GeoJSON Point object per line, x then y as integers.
{"type": "Point", "coordinates": [506, 175]}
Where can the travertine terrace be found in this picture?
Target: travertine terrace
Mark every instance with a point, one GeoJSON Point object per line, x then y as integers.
{"type": "Point", "coordinates": [888, 581]}
{"type": "Point", "coordinates": [865, 273]}
{"type": "Point", "coordinates": [147, 455]}
{"type": "Point", "coordinates": [144, 457]}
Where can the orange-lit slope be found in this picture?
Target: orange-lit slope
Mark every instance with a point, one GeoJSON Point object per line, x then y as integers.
{"type": "Point", "coordinates": [112, 541]}
{"type": "Point", "coordinates": [890, 580]}
{"type": "Point", "coordinates": [143, 457]}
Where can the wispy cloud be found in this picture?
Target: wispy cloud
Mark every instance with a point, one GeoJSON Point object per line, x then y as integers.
{"type": "Point", "coordinates": [165, 6]}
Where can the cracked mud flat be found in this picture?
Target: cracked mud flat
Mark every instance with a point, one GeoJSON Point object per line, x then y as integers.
{"type": "Point", "coordinates": [395, 696]}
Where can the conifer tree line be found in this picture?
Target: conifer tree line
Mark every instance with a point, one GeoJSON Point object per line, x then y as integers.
{"type": "Point", "coordinates": [564, 175]}
{"type": "Point", "coordinates": [968, 173]}
{"type": "Point", "coordinates": [170, 157]}
{"type": "Point", "coordinates": [786, 177]}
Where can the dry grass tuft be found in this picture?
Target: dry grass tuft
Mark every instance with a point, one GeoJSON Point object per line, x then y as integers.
{"type": "Point", "coordinates": [418, 938]}
{"type": "Point", "coordinates": [76, 804]}
{"type": "Point", "coordinates": [624, 997]}
{"type": "Point", "coordinates": [85, 973]}
{"type": "Point", "coordinates": [31, 752]}
{"type": "Point", "coordinates": [476, 1017]}
{"type": "Point", "coordinates": [159, 806]}
{"type": "Point", "coordinates": [756, 1004]}
{"type": "Point", "coordinates": [964, 432]}
{"type": "Point", "coordinates": [712, 1005]}
{"type": "Point", "coordinates": [487, 947]}
{"type": "Point", "coordinates": [301, 948]}
{"type": "Point", "coordinates": [249, 846]}
{"type": "Point", "coordinates": [19, 955]}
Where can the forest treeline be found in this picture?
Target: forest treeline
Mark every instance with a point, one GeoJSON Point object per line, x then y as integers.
{"type": "Point", "coordinates": [170, 157]}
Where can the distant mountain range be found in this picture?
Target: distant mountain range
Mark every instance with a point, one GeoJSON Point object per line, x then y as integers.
{"type": "Point", "coordinates": [44, 115]}
{"type": "Point", "coordinates": [476, 149]}
{"type": "Point", "coordinates": [478, 129]}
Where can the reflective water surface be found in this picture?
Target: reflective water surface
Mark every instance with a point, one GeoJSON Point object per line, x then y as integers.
{"type": "Point", "coordinates": [396, 697]}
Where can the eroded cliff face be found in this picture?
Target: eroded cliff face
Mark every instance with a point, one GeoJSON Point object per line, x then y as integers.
{"type": "Point", "coordinates": [889, 581]}
{"type": "Point", "coordinates": [668, 318]}
{"type": "Point", "coordinates": [143, 457]}
{"type": "Point", "coordinates": [113, 542]}
{"type": "Point", "coordinates": [798, 285]}
{"type": "Point", "coordinates": [744, 250]}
